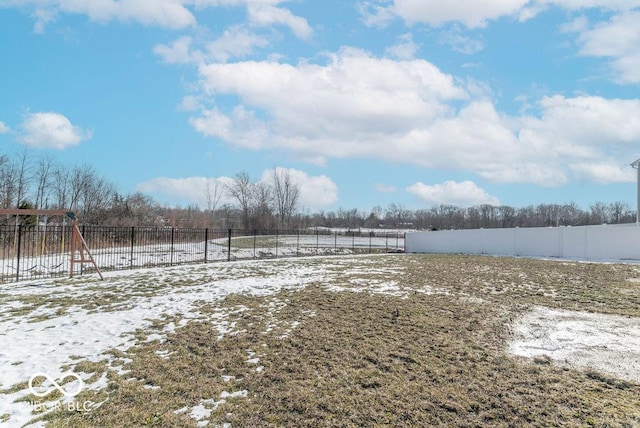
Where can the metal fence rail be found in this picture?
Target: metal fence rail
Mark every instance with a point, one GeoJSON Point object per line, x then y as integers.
{"type": "Point", "coordinates": [30, 252]}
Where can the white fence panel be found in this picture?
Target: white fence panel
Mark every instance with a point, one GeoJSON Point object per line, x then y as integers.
{"type": "Point", "coordinates": [606, 242]}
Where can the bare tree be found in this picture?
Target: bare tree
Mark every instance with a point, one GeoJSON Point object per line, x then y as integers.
{"type": "Point", "coordinates": [599, 213]}
{"type": "Point", "coordinates": [620, 212]}
{"type": "Point", "coordinates": [7, 182]}
{"type": "Point", "coordinates": [23, 178]}
{"type": "Point", "coordinates": [261, 206]}
{"type": "Point", "coordinates": [42, 178]}
{"type": "Point", "coordinates": [78, 178]}
{"type": "Point", "coordinates": [59, 187]}
{"type": "Point", "coordinates": [97, 198]}
{"type": "Point", "coordinates": [286, 194]}
{"type": "Point", "coordinates": [240, 188]}
{"type": "Point", "coordinates": [214, 192]}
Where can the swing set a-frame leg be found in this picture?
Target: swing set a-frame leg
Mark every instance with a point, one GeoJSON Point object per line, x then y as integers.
{"type": "Point", "coordinates": [79, 245]}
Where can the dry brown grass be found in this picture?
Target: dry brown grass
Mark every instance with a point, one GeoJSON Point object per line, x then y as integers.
{"type": "Point", "coordinates": [364, 359]}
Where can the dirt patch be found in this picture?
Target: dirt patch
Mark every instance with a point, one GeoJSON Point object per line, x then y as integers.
{"type": "Point", "coordinates": [607, 343]}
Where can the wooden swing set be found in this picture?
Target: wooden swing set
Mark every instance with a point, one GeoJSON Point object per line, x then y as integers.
{"type": "Point", "coordinates": [79, 250]}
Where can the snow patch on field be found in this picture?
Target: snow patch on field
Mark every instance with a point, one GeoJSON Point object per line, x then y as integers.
{"type": "Point", "coordinates": [606, 343]}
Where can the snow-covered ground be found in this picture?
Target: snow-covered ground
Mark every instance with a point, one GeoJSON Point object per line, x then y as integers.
{"type": "Point", "coordinates": [49, 325]}
{"type": "Point", "coordinates": [607, 343]}
{"type": "Point", "coordinates": [46, 325]}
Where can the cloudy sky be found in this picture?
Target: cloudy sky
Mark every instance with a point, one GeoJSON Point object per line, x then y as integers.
{"type": "Point", "coordinates": [367, 103]}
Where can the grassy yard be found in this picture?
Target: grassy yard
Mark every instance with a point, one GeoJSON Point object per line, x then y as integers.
{"type": "Point", "coordinates": [391, 340]}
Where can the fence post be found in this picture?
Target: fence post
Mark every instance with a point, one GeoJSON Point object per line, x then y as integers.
{"type": "Point", "coordinates": [206, 244]}
{"type": "Point", "coordinates": [277, 237]}
{"type": "Point", "coordinates": [18, 252]}
{"type": "Point", "coordinates": [133, 233]}
{"type": "Point", "coordinates": [229, 246]}
{"type": "Point", "coordinates": [73, 255]}
{"type": "Point", "coordinates": [298, 245]}
{"type": "Point", "coordinates": [173, 231]}
{"type": "Point", "coordinates": [370, 239]}
{"type": "Point", "coordinates": [255, 234]}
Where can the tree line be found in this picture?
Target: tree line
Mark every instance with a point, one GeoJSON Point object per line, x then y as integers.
{"type": "Point", "coordinates": [27, 181]}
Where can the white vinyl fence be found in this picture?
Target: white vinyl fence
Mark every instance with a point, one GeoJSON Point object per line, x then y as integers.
{"type": "Point", "coordinates": [605, 242]}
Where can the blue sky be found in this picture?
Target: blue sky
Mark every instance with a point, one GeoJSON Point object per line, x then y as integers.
{"type": "Point", "coordinates": [367, 103]}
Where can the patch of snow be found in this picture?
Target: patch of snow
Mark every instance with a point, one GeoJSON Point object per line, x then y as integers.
{"type": "Point", "coordinates": [163, 353]}
{"type": "Point", "coordinates": [200, 414]}
{"type": "Point", "coordinates": [99, 384]}
{"type": "Point", "coordinates": [236, 394]}
{"type": "Point", "coordinates": [155, 336]}
{"type": "Point", "coordinates": [153, 387]}
{"type": "Point", "coordinates": [606, 343]}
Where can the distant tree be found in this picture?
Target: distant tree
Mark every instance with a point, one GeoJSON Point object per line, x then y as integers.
{"type": "Point", "coordinates": [620, 212]}
{"type": "Point", "coordinates": [599, 213]}
{"type": "Point", "coordinates": [42, 178]}
{"type": "Point", "coordinates": [59, 187]}
{"type": "Point", "coordinates": [214, 192]}
{"type": "Point", "coordinates": [7, 182]}
{"type": "Point", "coordinates": [24, 175]}
{"type": "Point", "coordinates": [240, 189]}
{"type": "Point", "coordinates": [261, 207]}
{"type": "Point", "coordinates": [286, 194]}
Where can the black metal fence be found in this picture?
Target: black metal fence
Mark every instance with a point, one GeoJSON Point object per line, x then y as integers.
{"type": "Point", "coordinates": [29, 252]}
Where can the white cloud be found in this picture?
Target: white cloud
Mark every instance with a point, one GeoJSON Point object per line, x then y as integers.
{"type": "Point", "coordinates": [51, 130]}
{"type": "Point", "coordinates": [618, 40]}
{"type": "Point", "coordinates": [384, 188]}
{"type": "Point", "coordinates": [178, 52]}
{"type": "Point", "coordinates": [265, 15]}
{"type": "Point", "coordinates": [406, 48]}
{"type": "Point", "coordinates": [603, 172]}
{"type": "Point", "coordinates": [161, 13]}
{"type": "Point", "coordinates": [465, 194]}
{"type": "Point", "coordinates": [461, 43]}
{"type": "Point", "coordinates": [375, 15]}
{"type": "Point", "coordinates": [42, 18]}
{"type": "Point", "coordinates": [614, 5]}
{"type": "Point", "coordinates": [316, 192]}
{"type": "Point", "coordinates": [190, 103]}
{"type": "Point", "coordinates": [172, 14]}
{"type": "Point", "coordinates": [235, 42]}
{"type": "Point", "coordinates": [589, 121]}
{"type": "Point", "coordinates": [189, 190]}
{"type": "Point", "coordinates": [474, 13]}
{"type": "Point", "coordinates": [4, 128]}
{"type": "Point", "coordinates": [353, 97]}
{"type": "Point", "coordinates": [241, 127]}
{"type": "Point", "coordinates": [359, 106]}
{"type": "Point", "coordinates": [471, 13]}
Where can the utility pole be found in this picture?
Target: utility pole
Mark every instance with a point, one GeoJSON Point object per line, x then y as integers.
{"type": "Point", "coordinates": [636, 165]}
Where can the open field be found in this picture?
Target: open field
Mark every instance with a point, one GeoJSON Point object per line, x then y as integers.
{"type": "Point", "coordinates": [374, 340]}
